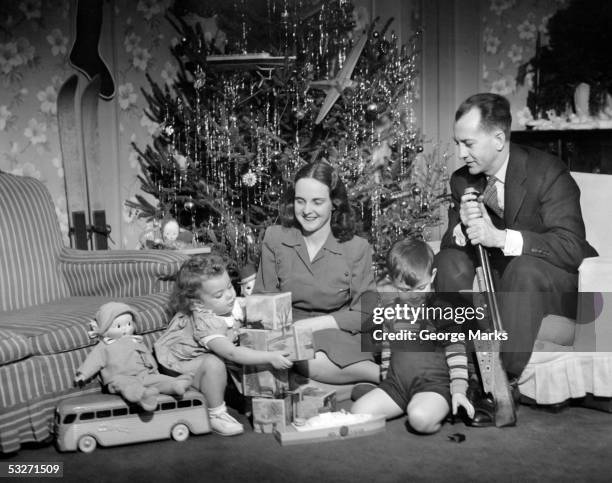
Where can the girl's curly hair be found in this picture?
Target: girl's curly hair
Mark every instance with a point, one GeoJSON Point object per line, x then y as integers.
{"type": "Point", "coordinates": [342, 218]}
{"type": "Point", "coordinates": [192, 273]}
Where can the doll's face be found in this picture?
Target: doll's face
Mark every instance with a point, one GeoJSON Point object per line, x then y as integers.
{"type": "Point", "coordinates": [247, 288]}
{"type": "Point", "coordinates": [121, 326]}
{"type": "Point", "coordinates": [171, 231]}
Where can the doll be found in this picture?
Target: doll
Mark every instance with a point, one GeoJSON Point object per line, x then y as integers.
{"type": "Point", "coordinates": [126, 365]}
{"type": "Point", "coordinates": [247, 279]}
{"type": "Point", "coordinates": [170, 231]}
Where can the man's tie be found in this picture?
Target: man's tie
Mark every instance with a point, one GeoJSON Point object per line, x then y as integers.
{"type": "Point", "coordinates": [489, 197]}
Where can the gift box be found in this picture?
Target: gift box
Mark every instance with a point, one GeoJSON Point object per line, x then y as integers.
{"type": "Point", "coordinates": [271, 414]}
{"type": "Point", "coordinates": [269, 311]}
{"type": "Point", "coordinates": [309, 401]}
{"type": "Point", "coordinates": [264, 381]}
{"type": "Point", "coordinates": [295, 341]}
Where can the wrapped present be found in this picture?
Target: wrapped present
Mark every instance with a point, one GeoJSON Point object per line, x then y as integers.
{"type": "Point", "coordinates": [310, 401]}
{"type": "Point", "coordinates": [271, 414]}
{"type": "Point", "coordinates": [295, 341]}
{"type": "Point", "coordinates": [269, 311]}
{"type": "Point", "coordinates": [331, 427]}
{"type": "Point", "coordinates": [264, 381]}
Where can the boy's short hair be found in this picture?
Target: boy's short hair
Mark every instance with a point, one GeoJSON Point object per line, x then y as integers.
{"type": "Point", "coordinates": [409, 259]}
{"type": "Point", "coordinates": [192, 273]}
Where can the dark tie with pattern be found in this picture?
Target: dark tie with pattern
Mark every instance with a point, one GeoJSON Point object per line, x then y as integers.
{"type": "Point", "coordinates": [489, 197]}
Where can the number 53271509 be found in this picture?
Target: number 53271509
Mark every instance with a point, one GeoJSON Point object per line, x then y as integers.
{"type": "Point", "coordinates": [53, 469]}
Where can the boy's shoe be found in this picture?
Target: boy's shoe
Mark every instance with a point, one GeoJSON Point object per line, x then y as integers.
{"type": "Point", "coordinates": [225, 425]}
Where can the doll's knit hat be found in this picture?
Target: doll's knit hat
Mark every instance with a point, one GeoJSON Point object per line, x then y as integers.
{"type": "Point", "coordinates": [247, 273]}
{"type": "Point", "coordinates": [109, 312]}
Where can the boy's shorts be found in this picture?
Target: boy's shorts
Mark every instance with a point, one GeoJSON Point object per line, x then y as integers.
{"type": "Point", "coordinates": [414, 372]}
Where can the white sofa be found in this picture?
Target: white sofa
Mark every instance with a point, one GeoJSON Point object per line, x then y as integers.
{"type": "Point", "coordinates": [575, 360]}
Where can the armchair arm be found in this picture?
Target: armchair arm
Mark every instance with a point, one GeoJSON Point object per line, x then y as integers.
{"type": "Point", "coordinates": [595, 301]}
{"type": "Point", "coordinates": [119, 273]}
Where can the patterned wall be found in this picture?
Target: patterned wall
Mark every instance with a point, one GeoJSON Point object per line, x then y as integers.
{"type": "Point", "coordinates": [509, 32]}
{"type": "Point", "coordinates": [36, 37]}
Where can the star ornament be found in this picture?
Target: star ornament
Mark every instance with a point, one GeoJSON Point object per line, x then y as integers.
{"type": "Point", "coordinates": [334, 87]}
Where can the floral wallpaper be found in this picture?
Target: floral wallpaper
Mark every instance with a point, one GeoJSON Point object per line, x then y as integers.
{"type": "Point", "coordinates": [34, 41]}
{"type": "Point", "coordinates": [142, 39]}
{"type": "Point", "coordinates": [36, 37]}
{"type": "Point", "coordinates": [509, 34]}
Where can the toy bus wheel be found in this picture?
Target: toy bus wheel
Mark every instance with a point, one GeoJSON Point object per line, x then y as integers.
{"type": "Point", "coordinates": [87, 444]}
{"type": "Point", "coordinates": [180, 432]}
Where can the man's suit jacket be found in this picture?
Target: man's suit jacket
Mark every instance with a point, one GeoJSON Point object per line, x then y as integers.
{"type": "Point", "coordinates": [541, 200]}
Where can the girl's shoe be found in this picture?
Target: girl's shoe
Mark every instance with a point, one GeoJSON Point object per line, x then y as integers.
{"type": "Point", "coordinates": [225, 425]}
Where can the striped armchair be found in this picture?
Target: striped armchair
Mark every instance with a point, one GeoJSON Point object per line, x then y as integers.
{"type": "Point", "coordinates": [48, 295]}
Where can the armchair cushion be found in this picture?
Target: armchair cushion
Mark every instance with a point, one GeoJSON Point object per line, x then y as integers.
{"type": "Point", "coordinates": [13, 346]}
{"type": "Point", "coordinates": [122, 273]}
{"type": "Point", "coordinates": [62, 326]}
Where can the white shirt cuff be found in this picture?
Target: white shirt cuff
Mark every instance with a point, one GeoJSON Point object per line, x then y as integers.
{"type": "Point", "coordinates": [514, 243]}
{"type": "Point", "coordinates": [459, 236]}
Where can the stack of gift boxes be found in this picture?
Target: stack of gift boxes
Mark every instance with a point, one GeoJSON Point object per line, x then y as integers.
{"type": "Point", "coordinates": [275, 400]}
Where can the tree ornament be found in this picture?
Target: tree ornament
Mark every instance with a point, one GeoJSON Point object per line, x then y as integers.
{"type": "Point", "coordinates": [336, 86]}
{"type": "Point", "coordinates": [372, 112]}
{"type": "Point", "coordinates": [249, 179]}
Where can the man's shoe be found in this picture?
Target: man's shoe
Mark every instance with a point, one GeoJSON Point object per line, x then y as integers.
{"type": "Point", "coordinates": [225, 425]}
{"type": "Point", "coordinates": [484, 406]}
{"type": "Point", "coordinates": [549, 408]}
{"type": "Point", "coordinates": [484, 412]}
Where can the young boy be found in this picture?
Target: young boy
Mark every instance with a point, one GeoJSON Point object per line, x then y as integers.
{"type": "Point", "coordinates": [426, 379]}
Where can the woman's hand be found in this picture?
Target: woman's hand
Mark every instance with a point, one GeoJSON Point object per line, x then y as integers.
{"type": "Point", "coordinates": [320, 322]}
{"type": "Point", "coordinates": [279, 361]}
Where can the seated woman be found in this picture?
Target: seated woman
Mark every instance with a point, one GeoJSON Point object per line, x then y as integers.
{"type": "Point", "coordinates": [316, 256]}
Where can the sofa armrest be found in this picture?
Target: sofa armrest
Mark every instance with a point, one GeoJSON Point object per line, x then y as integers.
{"type": "Point", "coordinates": [594, 320]}
{"type": "Point", "coordinates": [119, 273]}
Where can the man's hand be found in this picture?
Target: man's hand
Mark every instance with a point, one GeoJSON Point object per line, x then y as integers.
{"type": "Point", "coordinates": [469, 209]}
{"type": "Point", "coordinates": [460, 400]}
{"type": "Point", "coordinates": [480, 229]}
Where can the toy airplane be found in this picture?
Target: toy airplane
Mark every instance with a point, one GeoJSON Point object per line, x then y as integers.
{"type": "Point", "coordinates": [334, 87]}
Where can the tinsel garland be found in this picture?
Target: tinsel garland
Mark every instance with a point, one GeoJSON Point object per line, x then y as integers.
{"type": "Point", "coordinates": [230, 140]}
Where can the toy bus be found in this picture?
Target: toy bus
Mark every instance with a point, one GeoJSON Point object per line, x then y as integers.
{"type": "Point", "coordinates": [84, 422]}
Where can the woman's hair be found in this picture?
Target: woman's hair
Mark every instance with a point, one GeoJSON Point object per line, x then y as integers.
{"type": "Point", "coordinates": [192, 273]}
{"type": "Point", "coordinates": [409, 259]}
{"type": "Point", "coordinates": [342, 217]}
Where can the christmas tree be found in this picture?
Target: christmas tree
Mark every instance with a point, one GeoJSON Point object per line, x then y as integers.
{"type": "Point", "coordinates": [275, 85]}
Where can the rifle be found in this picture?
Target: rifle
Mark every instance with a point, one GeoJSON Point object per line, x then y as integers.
{"type": "Point", "coordinates": [488, 354]}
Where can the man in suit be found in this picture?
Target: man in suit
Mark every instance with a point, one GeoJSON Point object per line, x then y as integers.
{"type": "Point", "coordinates": [528, 218]}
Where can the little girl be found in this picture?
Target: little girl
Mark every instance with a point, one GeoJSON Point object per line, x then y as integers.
{"type": "Point", "coordinates": [201, 337]}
